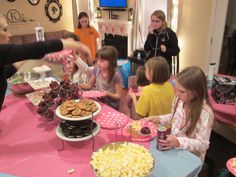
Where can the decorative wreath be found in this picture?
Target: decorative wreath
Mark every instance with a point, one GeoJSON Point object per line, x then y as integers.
{"type": "Point", "coordinates": [53, 10]}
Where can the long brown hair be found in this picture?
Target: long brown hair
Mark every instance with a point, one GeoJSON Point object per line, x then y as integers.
{"type": "Point", "coordinates": [194, 80]}
{"type": "Point", "coordinates": [160, 15]}
{"type": "Point", "coordinates": [81, 15]}
{"type": "Point", "coordinates": [160, 69]}
{"type": "Point", "coordinates": [110, 54]}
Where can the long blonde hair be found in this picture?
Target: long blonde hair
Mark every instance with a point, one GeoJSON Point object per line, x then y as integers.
{"type": "Point", "coordinates": [193, 79]}
{"type": "Point", "coordinates": [161, 15]}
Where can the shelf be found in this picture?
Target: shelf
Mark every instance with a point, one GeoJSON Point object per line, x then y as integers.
{"type": "Point", "coordinates": [114, 9]}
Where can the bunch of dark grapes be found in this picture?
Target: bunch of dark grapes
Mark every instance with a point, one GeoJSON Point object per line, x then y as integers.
{"type": "Point", "coordinates": [57, 95]}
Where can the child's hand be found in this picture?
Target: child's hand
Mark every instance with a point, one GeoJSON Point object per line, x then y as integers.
{"type": "Point", "coordinates": [170, 142]}
{"type": "Point", "coordinates": [154, 119]}
{"type": "Point", "coordinates": [132, 95]}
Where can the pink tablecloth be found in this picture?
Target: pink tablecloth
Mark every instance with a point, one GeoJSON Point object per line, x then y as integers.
{"type": "Point", "coordinates": [223, 112]}
{"type": "Point", "coordinates": [28, 144]}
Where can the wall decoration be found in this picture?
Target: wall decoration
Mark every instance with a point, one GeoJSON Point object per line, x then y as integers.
{"type": "Point", "coordinates": [53, 10]}
{"type": "Point", "coordinates": [33, 2]}
{"type": "Point", "coordinates": [14, 17]}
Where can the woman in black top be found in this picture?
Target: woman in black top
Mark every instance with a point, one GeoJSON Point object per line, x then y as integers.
{"type": "Point", "coordinates": [161, 40]}
{"type": "Point", "coordinates": [10, 53]}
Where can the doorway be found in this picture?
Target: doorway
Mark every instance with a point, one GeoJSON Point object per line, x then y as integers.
{"type": "Point", "coordinates": [228, 51]}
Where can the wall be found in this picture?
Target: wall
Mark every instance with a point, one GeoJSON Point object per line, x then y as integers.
{"type": "Point", "coordinates": [37, 14]}
{"type": "Point", "coordinates": [194, 32]}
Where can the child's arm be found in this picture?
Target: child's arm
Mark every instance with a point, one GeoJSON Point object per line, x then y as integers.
{"type": "Point", "coordinates": [90, 84]}
{"type": "Point", "coordinates": [117, 94]}
{"type": "Point", "coordinates": [134, 115]}
{"type": "Point", "coordinates": [83, 67]}
{"type": "Point", "coordinates": [199, 142]}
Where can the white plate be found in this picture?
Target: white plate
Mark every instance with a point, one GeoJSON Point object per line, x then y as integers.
{"type": "Point", "coordinates": [63, 137]}
{"type": "Point", "coordinates": [41, 83]}
{"type": "Point", "coordinates": [78, 118]}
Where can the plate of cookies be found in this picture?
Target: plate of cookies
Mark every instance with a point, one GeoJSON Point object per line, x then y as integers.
{"type": "Point", "coordinates": [76, 110]}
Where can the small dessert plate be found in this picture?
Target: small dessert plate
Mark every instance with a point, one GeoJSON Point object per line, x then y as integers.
{"type": "Point", "coordinates": [142, 138]}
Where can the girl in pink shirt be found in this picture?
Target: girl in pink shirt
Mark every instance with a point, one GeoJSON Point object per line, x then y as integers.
{"type": "Point", "coordinates": [191, 116]}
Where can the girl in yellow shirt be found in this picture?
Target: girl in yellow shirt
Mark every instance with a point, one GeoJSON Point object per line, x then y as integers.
{"type": "Point", "coordinates": [88, 35]}
{"type": "Point", "coordinates": [157, 97]}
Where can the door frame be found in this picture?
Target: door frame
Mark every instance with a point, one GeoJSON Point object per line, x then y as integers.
{"type": "Point", "coordinates": [217, 26]}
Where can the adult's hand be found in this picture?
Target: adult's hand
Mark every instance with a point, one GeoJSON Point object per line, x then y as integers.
{"type": "Point", "coordinates": [76, 45]}
{"type": "Point", "coordinates": [150, 29]}
{"type": "Point", "coordinates": [163, 48]}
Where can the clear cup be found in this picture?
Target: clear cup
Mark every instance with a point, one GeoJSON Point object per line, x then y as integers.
{"type": "Point", "coordinates": [39, 31]}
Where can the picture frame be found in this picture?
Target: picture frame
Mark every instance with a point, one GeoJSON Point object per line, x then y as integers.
{"type": "Point", "coordinates": [53, 10]}
{"type": "Point", "coordinates": [33, 2]}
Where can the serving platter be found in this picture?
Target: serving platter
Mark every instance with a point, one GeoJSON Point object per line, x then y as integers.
{"type": "Point", "coordinates": [36, 97]}
{"type": "Point", "coordinates": [60, 134]}
{"type": "Point", "coordinates": [122, 159]}
{"type": "Point", "coordinates": [78, 118]}
{"type": "Point", "coordinates": [41, 83]}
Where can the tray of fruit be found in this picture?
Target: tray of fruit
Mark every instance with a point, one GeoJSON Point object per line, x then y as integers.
{"type": "Point", "coordinates": [140, 130]}
{"type": "Point", "coordinates": [122, 159]}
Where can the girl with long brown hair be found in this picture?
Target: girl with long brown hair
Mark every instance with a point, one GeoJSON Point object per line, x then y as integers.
{"type": "Point", "coordinates": [105, 76]}
{"type": "Point", "coordinates": [192, 116]}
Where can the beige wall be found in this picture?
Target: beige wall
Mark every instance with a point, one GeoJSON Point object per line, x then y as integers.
{"type": "Point", "coordinates": [37, 13]}
{"type": "Point", "coordinates": [194, 31]}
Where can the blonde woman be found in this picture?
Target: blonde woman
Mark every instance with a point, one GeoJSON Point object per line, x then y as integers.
{"type": "Point", "coordinates": [161, 40]}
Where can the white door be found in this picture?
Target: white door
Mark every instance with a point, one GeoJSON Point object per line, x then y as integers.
{"type": "Point", "coordinates": [217, 31]}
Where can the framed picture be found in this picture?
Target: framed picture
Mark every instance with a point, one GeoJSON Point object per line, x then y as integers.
{"type": "Point", "coordinates": [53, 10]}
{"type": "Point", "coordinates": [33, 2]}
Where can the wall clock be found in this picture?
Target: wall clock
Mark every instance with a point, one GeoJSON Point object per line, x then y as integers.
{"type": "Point", "coordinates": [53, 10]}
{"type": "Point", "coordinates": [33, 2]}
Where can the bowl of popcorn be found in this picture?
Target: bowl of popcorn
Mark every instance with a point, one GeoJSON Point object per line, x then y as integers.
{"type": "Point", "coordinates": [122, 159]}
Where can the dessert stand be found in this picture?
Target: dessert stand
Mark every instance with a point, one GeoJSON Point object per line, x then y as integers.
{"type": "Point", "coordinates": [68, 125]}
{"type": "Point", "coordinates": [70, 128]}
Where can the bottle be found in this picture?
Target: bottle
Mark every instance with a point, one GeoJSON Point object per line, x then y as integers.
{"type": "Point", "coordinates": [139, 56]}
{"type": "Point", "coordinates": [39, 31]}
{"type": "Point", "coordinates": [211, 73]}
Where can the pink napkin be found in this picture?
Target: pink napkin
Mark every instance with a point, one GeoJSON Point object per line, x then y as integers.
{"type": "Point", "coordinates": [112, 120]}
{"type": "Point", "coordinates": [93, 94]}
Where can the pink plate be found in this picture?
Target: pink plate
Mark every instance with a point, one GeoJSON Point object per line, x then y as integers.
{"type": "Point", "coordinates": [231, 165]}
{"type": "Point", "coordinates": [93, 94]}
{"type": "Point", "coordinates": [138, 92]}
{"type": "Point", "coordinates": [144, 123]}
{"type": "Point", "coordinates": [110, 120]}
